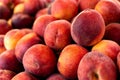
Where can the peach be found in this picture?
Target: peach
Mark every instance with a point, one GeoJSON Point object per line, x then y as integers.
{"type": "Point", "coordinates": [57, 34]}
{"type": "Point", "coordinates": [109, 9]}
{"type": "Point", "coordinates": [39, 60]}
{"type": "Point", "coordinates": [87, 4]}
{"type": "Point", "coordinates": [107, 47]}
{"type": "Point", "coordinates": [88, 27]}
{"type": "Point", "coordinates": [32, 6]}
{"type": "Point", "coordinates": [2, 47]}
{"type": "Point", "coordinates": [4, 26]}
{"type": "Point", "coordinates": [112, 32]}
{"type": "Point", "coordinates": [9, 61]}
{"type": "Point", "coordinates": [5, 12]}
{"type": "Point", "coordinates": [96, 66]}
{"type": "Point", "coordinates": [24, 43]}
{"type": "Point", "coordinates": [12, 37]}
{"type": "Point", "coordinates": [21, 20]}
{"type": "Point", "coordinates": [41, 12]}
{"type": "Point", "coordinates": [69, 59]}
{"type": "Point", "coordinates": [41, 22]}
{"type": "Point", "coordinates": [19, 8]}
{"type": "Point", "coordinates": [6, 74]}
{"type": "Point", "coordinates": [63, 9]}
{"type": "Point", "coordinates": [24, 76]}
{"type": "Point", "coordinates": [56, 76]}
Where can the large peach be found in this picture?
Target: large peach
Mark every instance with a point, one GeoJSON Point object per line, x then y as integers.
{"type": "Point", "coordinates": [57, 34]}
{"type": "Point", "coordinates": [24, 43]}
{"type": "Point", "coordinates": [4, 26]}
{"type": "Point", "coordinates": [109, 9]}
{"type": "Point", "coordinates": [40, 24]}
{"type": "Point", "coordinates": [87, 4]}
{"type": "Point", "coordinates": [96, 66]}
{"type": "Point", "coordinates": [69, 59]}
{"type": "Point", "coordinates": [56, 76]}
{"type": "Point", "coordinates": [88, 27]}
{"type": "Point", "coordinates": [112, 32]}
{"type": "Point", "coordinates": [12, 37]}
{"type": "Point", "coordinates": [63, 9]}
{"type": "Point", "coordinates": [9, 61]}
{"type": "Point", "coordinates": [5, 12]}
{"type": "Point", "coordinates": [24, 76]}
{"type": "Point", "coordinates": [107, 47]}
{"type": "Point", "coordinates": [39, 60]}
{"type": "Point", "coordinates": [21, 20]}
{"type": "Point", "coordinates": [6, 74]}
{"type": "Point", "coordinates": [2, 47]}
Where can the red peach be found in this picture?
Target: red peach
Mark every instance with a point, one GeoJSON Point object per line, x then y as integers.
{"type": "Point", "coordinates": [4, 26]}
{"type": "Point", "coordinates": [88, 27]}
{"type": "Point", "coordinates": [69, 59]}
{"type": "Point", "coordinates": [39, 60]}
{"type": "Point", "coordinates": [96, 66]}
{"type": "Point", "coordinates": [57, 34]}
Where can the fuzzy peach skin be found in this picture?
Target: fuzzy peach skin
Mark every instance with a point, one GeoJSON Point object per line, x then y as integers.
{"type": "Point", "coordinates": [112, 32]}
{"type": "Point", "coordinates": [39, 60]}
{"type": "Point", "coordinates": [57, 34]}
{"type": "Point", "coordinates": [88, 27]}
{"type": "Point", "coordinates": [24, 43]}
{"type": "Point", "coordinates": [109, 9]}
{"type": "Point", "coordinates": [87, 4]}
{"type": "Point", "coordinates": [6, 74]}
{"type": "Point", "coordinates": [40, 24]}
{"type": "Point", "coordinates": [12, 37]}
{"type": "Point", "coordinates": [2, 47]}
{"type": "Point", "coordinates": [24, 76]}
{"type": "Point", "coordinates": [56, 76]}
{"type": "Point", "coordinates": [63, 9]}
{"type": "Point", "coordinates": [4, 26]}
{"type": "Point", "coordinates": [9, 61]}
{"type": "Point", "coordinates": [107, 47]}
{"type": "Point", "coordinates": [69, 59]}
{"type": "Point", "coordinates": [96, 66]}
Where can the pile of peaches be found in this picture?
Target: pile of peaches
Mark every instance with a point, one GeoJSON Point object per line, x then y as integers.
{"type": "Point", "coordinates": [59, 40]}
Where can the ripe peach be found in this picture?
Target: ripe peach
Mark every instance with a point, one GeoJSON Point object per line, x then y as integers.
{"type": "Point", "coordinates": [4, 26]}
{"type": "Point", "coordinates": [57, 34]}
{"type": "Point", "coordinates": [32, 6]}
{"type": "Point", "coordinates": [9, 61]}
{"type": "Point", "coordinates": [21, 20]}
{"type": "Point", "coordinates": [69, 59]}
{"type": "Point", "coordinates": [39, 60]}
{"type": "Point", "coordinates": [107, 47]}
{"type": "Point", "coordinates": [24, 43]}
{"type": "Point", "coordinates": [109, 9]}
{"type": "Point", "coordinates": [24, 76]}
{"type": "Point", "coordinates": [2, 47]}
{"type": "Point", "coordinates": [87, 4]}
{"type": "Point", "coordinates": [112, 32]}
{"type": "Point", "coordinates": [40, 24]}
{"type": "Point", "coordinates": [6, 74]}
{"type": "Point", "coordinates": [63, 9]}
{"type": "Point", "coordinates": [88, 27]}
{"type": "Point", "coordinates": [56, 76]}
{"type": "Point", "coordinates": [5, 12]}
{"type": "Point", "coordinates": [12, 37]}
{"type": "Point", "coordinates": [96, 66]}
